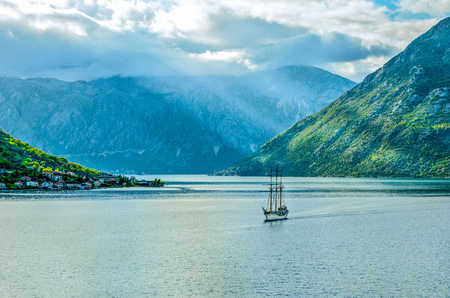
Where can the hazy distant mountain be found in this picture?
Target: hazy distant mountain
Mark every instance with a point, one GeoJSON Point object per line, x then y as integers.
{"type": "Point", "coordinates": [395, 123]}
{"type": "Point", "coordinates": [163, 124]}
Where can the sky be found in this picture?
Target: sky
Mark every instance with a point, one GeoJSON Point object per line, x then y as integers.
{"type": "Point", "coordinates": [88, 39]}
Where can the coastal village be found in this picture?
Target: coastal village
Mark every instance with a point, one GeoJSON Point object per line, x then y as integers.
{"type": "Point", "coordinates": [12, 179]}
{"type": "Point", "coordinates": [23, 167]}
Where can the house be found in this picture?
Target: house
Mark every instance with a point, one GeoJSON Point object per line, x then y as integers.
{"type": "Point", "coordinates": [2, 185]}
{"type": "Point", "coordinates": [87, 185]}
{"type": "Point", "coordinates": [108, 179]}
{"type": "Point", "coordinates": [53, 176]}
{"type": "Point", "coordinates": [56, 176]}
{"type": "Point", "coordinates": [46, 185]}
{"type": "Point", "coordinates": [58, 185]}
{"type": "Point", "coordinates": [71, 173]}
{"type": "Point", "coordinates": [19, 184]}
{"type": "Point", "coordinates": [97, 183]}
{"type": "Point", "coordinates": [31, 184]}
{"type": "Point", "coordinates": [25, 178]}
{"type": "Point", "coordinates": [73, 186]}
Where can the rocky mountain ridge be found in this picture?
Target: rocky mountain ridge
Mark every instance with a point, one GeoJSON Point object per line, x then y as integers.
{"type": "Point", "coordinates": [163, 124]}
{"type": "Point", "coordinates": [394, 123]}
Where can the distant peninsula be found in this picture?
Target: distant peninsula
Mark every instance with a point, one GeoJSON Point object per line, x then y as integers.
{"type": "Point", "coordinates": [25, 167]}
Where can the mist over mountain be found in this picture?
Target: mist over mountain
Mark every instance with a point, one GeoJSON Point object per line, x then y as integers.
{"type": "Point", "coordinates": [163, 124]}
{"type": "Point", "coordinates": [395, 123]}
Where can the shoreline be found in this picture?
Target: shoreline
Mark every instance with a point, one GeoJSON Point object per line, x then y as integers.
{"type": "Point", "coordinates": [10, 190]}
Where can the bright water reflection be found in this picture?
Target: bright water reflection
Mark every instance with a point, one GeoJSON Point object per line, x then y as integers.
{"type": "Point", "coordinates": [205, 236]}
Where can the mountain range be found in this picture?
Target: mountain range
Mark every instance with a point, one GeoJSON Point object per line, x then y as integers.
{"type": "Point", "coordinates": [163, 124]}
{"type": "Point", "coordinates": [394, 123]}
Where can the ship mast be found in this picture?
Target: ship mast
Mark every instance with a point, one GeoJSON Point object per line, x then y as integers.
{"type": "Point", "coordinates": [276, 189]}
{"type": "Point", "coordinates": [281, 190]}
{"type": "Point", "coordinates": [270, 187]}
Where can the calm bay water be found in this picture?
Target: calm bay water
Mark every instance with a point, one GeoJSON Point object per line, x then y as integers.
{"type": "Point", "coordinates": [205, 236]}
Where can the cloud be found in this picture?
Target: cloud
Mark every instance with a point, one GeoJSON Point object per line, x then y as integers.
{"type": "Point", "coordinates": [31, 51]}
{"type": "Point", "coordinates": [85, 39]}
{"type": "Point", "coordinates": [359, 68]}
{"type": "Point", "coordinates": [431, 7]}
{"type": "Point", "coordinates": [238, 57]}
{"type": "Point", "coordinates": [315, 49]}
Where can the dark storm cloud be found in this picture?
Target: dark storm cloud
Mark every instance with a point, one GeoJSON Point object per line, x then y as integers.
{"type": "Point", "coordinates": [30, 52]}
{"type": "Point", "coordinates": [271, 45]}
{"type": "Point", "coordinates": [27, 52]}
{"type": "Point", "coordinates": [85, 40]}
{"type": "Point", "coordinates": [314, 49]}
{"type": "Point", "coordinates": [237, 32]}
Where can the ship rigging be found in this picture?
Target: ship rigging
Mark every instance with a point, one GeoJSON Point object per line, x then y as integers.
{"type": "Point", "coordinates": [275, 209]}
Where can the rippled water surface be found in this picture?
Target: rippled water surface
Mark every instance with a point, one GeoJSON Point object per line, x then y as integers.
{"type": "Point", "coordinates": [205, 236]}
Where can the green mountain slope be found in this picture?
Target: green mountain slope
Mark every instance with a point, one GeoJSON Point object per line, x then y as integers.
{"type": "Point", "coordinates": [17, 155]}
{"type": "Point", "coordinates": [395, 123]}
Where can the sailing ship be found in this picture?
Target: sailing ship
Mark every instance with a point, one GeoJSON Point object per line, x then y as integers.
{"type": "Point", "coordinates": [275, 209]}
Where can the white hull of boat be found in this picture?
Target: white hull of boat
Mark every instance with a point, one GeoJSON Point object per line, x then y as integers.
{"type": "Point", "coordinates": [275, 217]}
